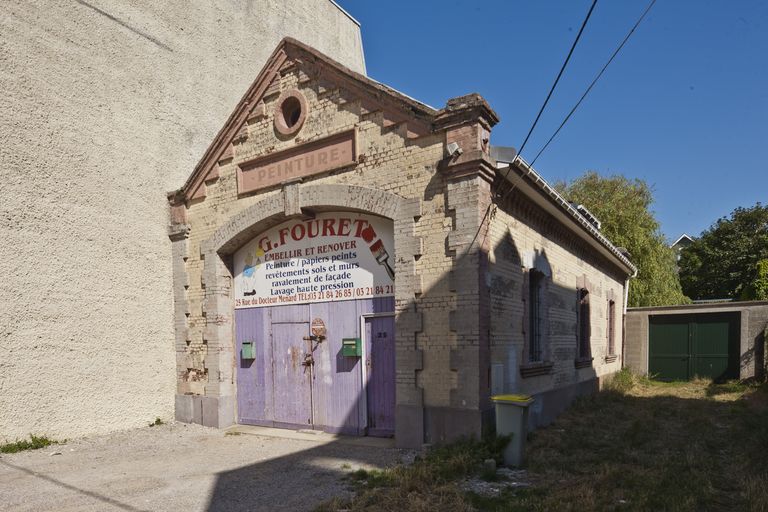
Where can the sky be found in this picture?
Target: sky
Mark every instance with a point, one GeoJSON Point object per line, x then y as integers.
{"type": "Point", "coordinates": [684, 106]}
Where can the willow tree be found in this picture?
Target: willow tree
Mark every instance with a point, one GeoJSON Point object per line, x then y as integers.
{"type": "Point", "coordinates": [623, 207]}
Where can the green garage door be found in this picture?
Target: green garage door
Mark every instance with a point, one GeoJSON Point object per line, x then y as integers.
{"type": "Point", "coordinates": [684, 346]}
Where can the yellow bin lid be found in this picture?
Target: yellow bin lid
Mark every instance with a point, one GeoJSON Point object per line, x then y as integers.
{"type": "Point", "coordinates": [523, 400]}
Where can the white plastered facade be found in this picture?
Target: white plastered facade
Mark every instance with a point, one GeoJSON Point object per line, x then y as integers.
{"type": "Point", "coordinates": [105, 106]}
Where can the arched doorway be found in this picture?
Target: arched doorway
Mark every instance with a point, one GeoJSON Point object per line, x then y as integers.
{"type": "Point", "coordinates": [314, 324]}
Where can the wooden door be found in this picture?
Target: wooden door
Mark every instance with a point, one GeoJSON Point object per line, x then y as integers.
{"type": "Point", "coordinates": [291, 389]}
{"type": "Point", "coordinates": [380, 367]}
{"type": "Point", "coordinates": [254, 376]}
{"type": "Point", "coordinates": [685, 346]}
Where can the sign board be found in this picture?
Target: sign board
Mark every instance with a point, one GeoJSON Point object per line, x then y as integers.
{"type": "Point", "coordinates": [326, 154]}
{"type": "Point", "coordinates": [335, 256]}
{"type": "Point", "coordinates": [317, 327]}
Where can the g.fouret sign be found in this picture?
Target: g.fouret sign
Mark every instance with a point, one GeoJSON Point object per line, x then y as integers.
{"type": "Point", "coordinates": [335, 256]}
{"type": "Point", "coordinates": [312, 158]}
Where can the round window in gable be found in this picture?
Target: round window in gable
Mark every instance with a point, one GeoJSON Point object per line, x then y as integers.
{"type": "Point", "coordinates": [290, 112]}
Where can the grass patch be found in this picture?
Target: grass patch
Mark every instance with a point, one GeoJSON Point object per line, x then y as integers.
{"type": "Point", "coordinates": [34, 443]}
{"type": "Point", "coordinates": [638, 445]}
{"type": "Point", "coordinates": [680, 446]}
{"type": "Point", "coordinates": [622, 381]}
{"type": "Point", "coordinates": [729, 387]}
{"type": "Point", "coordinates": [430, 483]}
{"type": "Point", "coordinates": [520, 500]}
{"type": "Point", "coordinates": [157, 422]}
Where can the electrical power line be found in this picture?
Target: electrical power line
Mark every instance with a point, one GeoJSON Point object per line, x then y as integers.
{"type": "Point", "coordinates": [575, 107]}
{"type": "Point", "coordinates": [549, 95]}
{"type": "Point", "coordinates": [616, 52]}
{"type": "Point", "coordinates": [491, 210]}
{"type": "Point", "coordinates": [560, 74]}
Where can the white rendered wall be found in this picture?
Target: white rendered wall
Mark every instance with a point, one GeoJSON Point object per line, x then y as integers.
{"type": "Point", "coordinates": [105, 106]}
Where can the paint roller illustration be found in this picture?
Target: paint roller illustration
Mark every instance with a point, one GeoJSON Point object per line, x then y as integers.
{"type": "Point", "coordinates": [382, 257]}
{"type": "Point", "coordinates": [378, 250]}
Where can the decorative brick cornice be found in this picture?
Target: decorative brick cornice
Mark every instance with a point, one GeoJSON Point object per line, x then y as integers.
{"type": "Point", "coordinates": [221, 146]}
{"type": "Point", "coordinates": [176, 198]}
{"type": "Point", "coordinates": [417, 118]}
{"type": "Point", "coordinates": [289, 54]}
{"type": "Point", "coordinates": [178, 232]}
{"type": "Point", "coordinates": [475, 163]}
{"type": "Point", "coordinates": [466, 109]}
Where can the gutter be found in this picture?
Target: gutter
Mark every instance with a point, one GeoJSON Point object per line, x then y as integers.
{"type": "Point", "coordinates": [626, 290]}
{"type": "Point", "coordinates": [624, 318]}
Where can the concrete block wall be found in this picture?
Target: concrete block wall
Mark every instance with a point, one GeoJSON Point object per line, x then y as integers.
{"type": "Point", "coordinates": [107, 106]}
{"type": "Point", "coordinates": [754, 322]}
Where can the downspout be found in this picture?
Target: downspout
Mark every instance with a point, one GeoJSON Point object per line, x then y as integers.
{"type": "Point", "coordinates": [624, 317]}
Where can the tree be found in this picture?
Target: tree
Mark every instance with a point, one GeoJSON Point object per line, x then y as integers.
{"type": "Point", "coordinates": [723, 261]}
{"type": "Point", "coordinates": [758, 288]}
{"type": "Point", "coordinates": [623, 207]}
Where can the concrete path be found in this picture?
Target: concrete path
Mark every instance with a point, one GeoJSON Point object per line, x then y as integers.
{"type": "Point", "coordinates": [190, 468]}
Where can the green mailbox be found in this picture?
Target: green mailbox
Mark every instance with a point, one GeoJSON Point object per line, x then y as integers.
{"type": "Point", "coordinates": [351, 347]}
{"type": "Point", "coordinates": [248, 350]}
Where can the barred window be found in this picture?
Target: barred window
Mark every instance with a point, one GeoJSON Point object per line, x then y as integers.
{"type": "Point", "coordinates": [535, 315]}
{"type": "Point", "coordinates": [611, 328]}
{"type": "Point", "coordinates": [583, 324]}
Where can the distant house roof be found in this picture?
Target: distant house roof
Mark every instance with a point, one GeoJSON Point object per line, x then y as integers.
{"type": "Point", "coordinates": [683, 240]}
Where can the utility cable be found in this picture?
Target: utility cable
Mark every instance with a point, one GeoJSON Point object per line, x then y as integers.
{"type": "Point", "coordinates": [551, 90]}
{"type": "Point", "coordinates": [616, 52]}
{"type": "Point", "coordinates": [559, 75]}
{"type": "Point", "coordinates": [490, 212]}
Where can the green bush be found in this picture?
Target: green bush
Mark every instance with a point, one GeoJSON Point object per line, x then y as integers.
{"type": "Point", "coordinates": [622, 381]}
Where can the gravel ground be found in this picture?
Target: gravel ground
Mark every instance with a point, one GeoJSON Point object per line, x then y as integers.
{"type": "Point", "coordinates": [186, 467]}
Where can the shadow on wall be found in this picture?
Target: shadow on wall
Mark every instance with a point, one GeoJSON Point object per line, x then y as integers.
{"type": "Point", "coordinates": [556, 368]}
{"type": "Point", "coordinates": [755, 356]}
{"type": "Point", "coordinates": [503, 287]}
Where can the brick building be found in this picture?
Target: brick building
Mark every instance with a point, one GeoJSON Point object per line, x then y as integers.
{"type": "Point", "coordinates": [348, 259]}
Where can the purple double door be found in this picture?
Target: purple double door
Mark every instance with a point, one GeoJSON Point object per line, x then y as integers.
{"type": "Point", "coordinates": [294, 382]}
